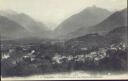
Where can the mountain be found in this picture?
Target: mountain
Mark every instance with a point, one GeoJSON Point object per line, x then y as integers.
{"type": "Point", "coordinates": [86, 18]}
{"type": "Point", "coordinates": [35, 27]}
{"type": "Point", "coordinates": [117, 19]}
{"type": "Point", "coordinates": [12, 30]}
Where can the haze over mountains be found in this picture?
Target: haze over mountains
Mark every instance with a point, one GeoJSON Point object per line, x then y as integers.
{"type": "Point", "coordinates": [91, 20]}
{"type": "Point", "coordinates": [86, 18]}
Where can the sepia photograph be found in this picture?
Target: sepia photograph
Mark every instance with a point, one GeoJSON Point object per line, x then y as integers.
{"type": "Point", "coordinates": [63, 40]}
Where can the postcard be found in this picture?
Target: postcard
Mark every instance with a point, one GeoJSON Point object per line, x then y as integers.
{"type": "Point", "coordinates": [63, 39]}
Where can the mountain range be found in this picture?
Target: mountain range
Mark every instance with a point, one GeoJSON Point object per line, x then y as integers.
{"type": "Point", "coordinates": [92, 20]}
{"type": "Point", "coordinates": [86, 18]}
{"type": "Point", "coordinates": [33, 27]}
{"type": "Point", "coordinates": [115, 20]}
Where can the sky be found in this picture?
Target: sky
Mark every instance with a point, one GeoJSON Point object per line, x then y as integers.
{"type": "Point", "coordinates": [53, 12]}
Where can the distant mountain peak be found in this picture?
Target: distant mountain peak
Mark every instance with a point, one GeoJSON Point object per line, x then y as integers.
{"type": "Point", "coordinates": [95, 8]}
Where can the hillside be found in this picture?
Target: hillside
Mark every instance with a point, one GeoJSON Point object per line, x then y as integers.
{"type": "Point", "coordinates": [118, 34]}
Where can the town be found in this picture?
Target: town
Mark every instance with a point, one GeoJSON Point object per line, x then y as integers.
{"type": "Point", "coordinates": [25, 59]}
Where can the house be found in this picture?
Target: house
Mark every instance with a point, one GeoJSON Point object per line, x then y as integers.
{"type": "Point", "coordinates": [5, 56]}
